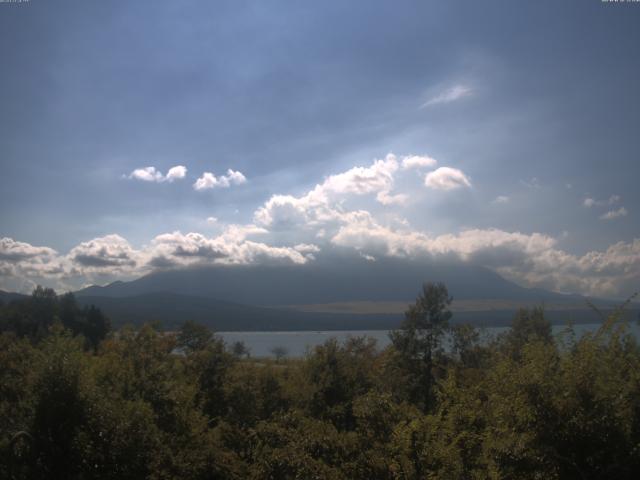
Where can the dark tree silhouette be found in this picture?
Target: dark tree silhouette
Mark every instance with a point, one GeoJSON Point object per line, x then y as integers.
{"type": "Point", "coordinates": [419, 338]}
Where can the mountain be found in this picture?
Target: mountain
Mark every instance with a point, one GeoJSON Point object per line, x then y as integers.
{"type": "Point", "coordinates": [171, 310]}
{"type": "Point", "coordinates": [383, 280]}
{"type": "Point", "coordinates": [7, 297]}
{"type": "Point", "coordinates": [345, 295]}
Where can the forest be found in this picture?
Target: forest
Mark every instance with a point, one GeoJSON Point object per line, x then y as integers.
{"type": "Point", "coordinates": [81, 401]}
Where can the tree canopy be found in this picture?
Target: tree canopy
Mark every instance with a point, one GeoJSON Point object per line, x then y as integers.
{"type": "Point", "coordinates": [439, 402]}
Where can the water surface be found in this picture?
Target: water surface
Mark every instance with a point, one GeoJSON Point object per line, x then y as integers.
{"type": "Point", "coordinates": [296, 343]}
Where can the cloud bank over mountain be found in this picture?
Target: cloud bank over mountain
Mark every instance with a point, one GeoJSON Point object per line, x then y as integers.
{"type": "Point", "coordinates": [360, 210]}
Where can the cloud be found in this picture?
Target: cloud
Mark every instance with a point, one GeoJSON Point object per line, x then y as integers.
{"type": "Point", "coordinates": [591, 202]}
{"type": "Point", "coordinates": [532, 259]}
{"type": "Point", "coordinates": [533, 184]}
{"type": "Point", "coordinates": [449, 95]}
{"type": "Point", "coordinates": [387, 199]}
{"type": "Point", "coordinates": [446, 178]}
{"type": "Point", "coordinates": [321, 205]}
{"type": "Point", "coordinates": [417, 161]}
{"type": "Point", "coordinates": [147, 174]}
{"type": "Point", "coordinates": [332, 217]}
{"type": "Point", "coordinates": [529, 259]}
{"type": "Point", "coordinates": [232, 247]}
{"type": "Point", "coordinates": [324, 203]}
{"type": "Point", "coordinates": [208, 180]}
{"type": "Point", "coordinates": [612, 214]}
{"type": "Point", "coordinates": [150, 174]}
{"type": "Point", "coordinates": [501, 199]}
{"type": "Point", "coordinates": [175, 173]}
{"type": "Point", "coordinates": [13, 251]}
{"type": "Point", "coordinates": [111, 251]}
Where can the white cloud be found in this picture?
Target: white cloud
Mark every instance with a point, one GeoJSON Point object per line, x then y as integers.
{"type": "Point", "coordinates": [385, 198]}
{"type": "Point", "coordinates": [147, 174]}
{"type": "Point", "coordinates": [449, 95]}
{"type": "Point", "coordinates": [322, 204]}
{"type": "Point", "coordinates": [501, 199]}
{"type": "Point", "coordinates": [446, 178]}
{"type": "Point", "coordinates": [231, 248]}
{"type": "Point", "coordinates": [212, 220]}
{"type": "Point", "coordinates": [111, 251]}
{"type": "Point", "coordinates": [529, 259]}
{"type": "Point", "coordinates": [362, 180]}
{"type": "Point", "coordinates": [13, 251]}
{"type": "Point", "coordinates": [612, 214]}
{"type": "Point", "coordinates": [293, 229]}
{"type": "Point", "coordinates": [175, 173]}
{"type": "Point", "coordinates": [592, 202]}
{"type": "Point", "coordinates": [208, 180]}
{"type": "Point", "coordinates": [417, 161]}
{"type": "Point", "coordinates": [150, 174]}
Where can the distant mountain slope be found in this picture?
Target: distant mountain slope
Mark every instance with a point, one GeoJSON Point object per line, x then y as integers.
{"type": "Point", "coordinates": [383, 280]}
{"type": "Point", "coordinates": [171, 310]}
{"type": "Point", "coordinates": [6, 297]}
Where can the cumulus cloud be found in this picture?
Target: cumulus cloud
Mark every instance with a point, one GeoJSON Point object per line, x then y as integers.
{"type": "Point", "coordinates": [323, 204]}
{"type": "Point", "coordinates": [529, 259]}
{"type": "Point", "coordinates": [333, 216]}
{"type": "Point", "coordinates": [449, 95]}
{"type": "Point", "coordinates": [446, 178]}
{"type": "Point", "coordinates": [150, 174]}
{"type": "Point", "coordinates": [105, 259]}
{"type": "Point", "coordinates": [147, 174]}
{"type": "Point", "coordinates": [417, 161]}
{"type": "Point", "coordinates": [613, 214]}
{"type": "Point", "coordinates": [110, 254]}
{"type": "Point", "coordinates": [532, 259]}
{"type": "Point", "coordinates": [14, 251]}
{"type": "Point", "coordinates": [209, 181]}
{"type": "Point", "coordinates": [175, 173]}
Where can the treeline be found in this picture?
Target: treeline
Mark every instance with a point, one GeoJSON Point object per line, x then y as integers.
{"type": "Point", "coordinates": [33, 317]}
{"type": "Point", "coordinates": [142, 404]}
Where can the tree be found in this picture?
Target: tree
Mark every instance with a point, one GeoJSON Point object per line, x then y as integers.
{"type": "Point", "coordinates": [418, 341]}
{"type": "Point", "coordinates": [279, 352]}
{"type": "Point", "coordinates": [527, 325]}
{"type": "Point", "coordinates": [240, 349]}
{"type": "Point", "coordinates": [194, 337]}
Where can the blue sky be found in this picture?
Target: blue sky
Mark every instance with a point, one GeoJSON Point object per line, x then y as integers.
{"type": "Point", "coordinates": [532, 108]}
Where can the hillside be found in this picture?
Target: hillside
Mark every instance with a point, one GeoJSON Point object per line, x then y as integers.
{"type": "Point", "coordinates": [347, 281]}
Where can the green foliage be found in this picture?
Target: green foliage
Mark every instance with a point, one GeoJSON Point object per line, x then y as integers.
{"type": "Point", "coordinates": [194, 337]}
{"type": "Point", "coordinates": [337, 375]}
{"type": "Point", "coordinates": [145, 404]}
{"type": "Point", "coordinates": [32, 318]}
{"type": "Point", "coordinates": [418, 343]}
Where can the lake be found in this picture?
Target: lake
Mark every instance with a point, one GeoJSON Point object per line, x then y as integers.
{"type": "Point", "coordinates": [297, 343]}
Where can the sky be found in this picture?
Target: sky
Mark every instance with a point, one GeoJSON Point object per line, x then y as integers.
{"type": "Point", "coordinates": [145, 135]}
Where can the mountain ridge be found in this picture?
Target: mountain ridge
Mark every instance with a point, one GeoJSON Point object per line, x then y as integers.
{"type": "Point", "coordinates": [298, 285]}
